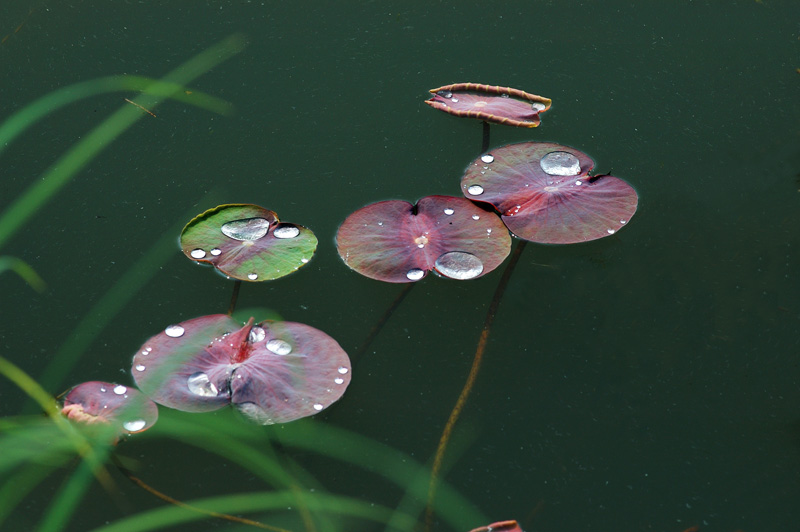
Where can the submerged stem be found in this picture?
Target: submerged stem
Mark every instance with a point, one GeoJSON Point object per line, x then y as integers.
{"type": "Point", "coordinates": [376, 329]}
{"type": "Point", "coordinates": [234, 296]}
{"type": "Point", "coordinates": [470, 382]}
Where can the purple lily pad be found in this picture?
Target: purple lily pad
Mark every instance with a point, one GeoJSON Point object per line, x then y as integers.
{"type": "Point", "coordinates": [274, 372]}
{"type": "Point", "coordinates": [544, 193]}
{"type": "Point", "coordinates": [499, 105]}
{"type": "Point", "coordinates": [247, 242]}
{"type": "Point", "coordinates": [397, 242]}
{"type": "Point", "coordinates": [500, 526]}
{"type": "Point", "coordinates": [105, 403]}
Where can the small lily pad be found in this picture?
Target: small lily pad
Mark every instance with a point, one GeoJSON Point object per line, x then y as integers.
{"type": "Point", "coordinates": [106, 403]}
{"type": "Point", "coordinates": [247, 242]}
{"type": "Point", "coordinates": [397, 242]}
{"type": "Point", "coordinates": [273, 371]}
{"type": "Point", "coordinates": [499, 105]}
{"type": "Point", "coordinates": [544, 193]}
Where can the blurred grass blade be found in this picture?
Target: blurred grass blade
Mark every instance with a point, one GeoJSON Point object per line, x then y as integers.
{"type": "Point", "coordinates": [23, 269]}
{"type": "Point", "coordinates": [101, 136]}
{"type": "Point", "coordinates": [18, 122]}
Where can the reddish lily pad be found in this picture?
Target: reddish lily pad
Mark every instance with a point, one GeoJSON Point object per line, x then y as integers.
{"type": "Point", "coordinates": [247, 242]}
{"type": "Point", "coordinates": [499, 105]}
{"type": "Point", "coordinates": [544, 193]}
{"type": "Point", "coordinates": [397, 242]}
{"type": "Point", "coordinates": [105, 403]}
{"type": "Point", "coordinates": [274, 372]}
{"type": "Point", "coordinates": [500, 526]}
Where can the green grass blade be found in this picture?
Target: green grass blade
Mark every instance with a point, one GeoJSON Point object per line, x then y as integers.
{"type": "Point", "coordinates": [79, 155]}
{"type": "Point", "coordinates": [21, 268]}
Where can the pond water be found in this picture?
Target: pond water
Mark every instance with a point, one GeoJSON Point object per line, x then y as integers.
{"type": "Point", "coordinates": [645, 381]}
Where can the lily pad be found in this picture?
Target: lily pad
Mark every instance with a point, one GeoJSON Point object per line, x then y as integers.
{"type": "Point", "coordinates": [247, 242]}
{"type": "Point", "coordinates": [397, 242]}
{"type": "Point", "coordinates": [500, 526]}
{"type": "Point", "coordinates": [499, 105]}
{"type": "Point", "coordinates": [273, 372]}
{"type": "Point", "coordinates": [106, 403]}
{"type": "Point", "coordinates": [544, 193]}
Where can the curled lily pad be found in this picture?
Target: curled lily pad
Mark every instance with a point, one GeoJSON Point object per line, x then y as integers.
{"type": "Point", "coordinates": [500, 526]}
{"type": "Point", "coordinates": [247, 242]}
{"type": "Point", "coordinates": [397, 242]}
{"type": "Point", "coordinates": [544, 193]}
{"type": "Point", "coordinates": [499, 105]}
{"type": "Point", "coordinates": [273, 372]}
{"type": "Point", "coordinates": [105, 403]}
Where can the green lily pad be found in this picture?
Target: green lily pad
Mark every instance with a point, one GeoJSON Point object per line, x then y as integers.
{"type": "Point", "coordinates": [247, 242]}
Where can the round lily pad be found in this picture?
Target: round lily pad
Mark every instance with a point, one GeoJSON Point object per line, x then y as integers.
{"type": "Point", "coordinates": [105, 403]}
{"type": "Point", "coordinates": [247, 242]}
{"type": "Point", "coordinates": [544, 193]}
{"type": "Point", "coordinates": [397, 242]}
{"type": "Point", "coordinates": [273, 372]}
{"type": "Point", "coordinates": [499, 105]}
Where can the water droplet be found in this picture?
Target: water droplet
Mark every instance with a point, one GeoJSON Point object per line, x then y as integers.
{"type": "Point", "coordinates": [551, 189]}
{"type": "Point", "coordinates": [578, 183]}
{"type": "Point", "coordinates": [342, 370]}
{"type": "Point", "coordinates": [120, 389]}
{"type": "Point", "coordinates": [610, 231]}
{"type": "Point", "coordinates": [504, 96]}
{"type": "Point", "coordinates": [560, 163]}
{"type": "Point", "coordinates": [103, 389]}
{"type": "Point", "coordinates": [538, 106]}
{"type": "Point", "coordinates": [317, 407]}
{"type": "Point", "coordinates": [459, 265]}
{"type": "Point", "coordinates": [199, 384]}
{"type": "Point", "coordinates": [139, 367]}
{"type": "Point", "coordinates": [445, 94]}
{"type": "Point", "coordinates": [135, 425]}
{"type": "Point", "coordinates": [286, 231]}
{"type": "Point", "coordinates": [623, 221]}
{"type": "Point", "coordinates": [415, 274]}
{"type": "Point", "coordinates": [475, 190]}
{"type": "Point", "coordinates": [304, 261]}
{"type": "Point", "coordinates": [455, 100]}
{"type": "Point", "coordinates": [257, 334]}
{"type": "Point", "coordinates": [279, 347]}
{"type": "Point", "coordinates": [246, 229]}
{"type": "Point", "coordinates": [420, 241]}
{"type": "Point", "coordinates": [449, 211]}
{"type": "Point", "coordinates": [252, 276]}
{"type": "Point", "coordinates": [197, 253]}
{"type": "Point", "coordinates": [476, 217]}
{"type": "Point", "coordinates": [216, 252]}
{"type": "Point", "coordinates": [487, 158]}
{"type": "Point", "coordinates": [338, 380]}
{"type": "Point", "coordinates": [174, 331]}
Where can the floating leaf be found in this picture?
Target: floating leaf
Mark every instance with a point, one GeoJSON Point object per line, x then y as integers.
{"type": "Point", "coordinates": [247, 242]}
{"type": "Point", "coordinates": [105, 403]}
{"type": "Point", "coordinates": [274, 372]}
{"type": "Point", "coordinates": [500, 526]}
{"type": "Point", "coordinates": [397, 242]}
{"type": "Point", "coordinates": [499, 105]}
{"type": "Point", "coordinates": [544, 193]}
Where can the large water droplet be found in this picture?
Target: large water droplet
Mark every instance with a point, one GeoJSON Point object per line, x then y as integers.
{"type": "Point", "coordinates": [246, 229]}
{"type": "Point", "coordinates": [120, 389]}
{"type": "Point", "coordinates": [174, 331]}
{"type": "Point", "coordinates": [415, 274]}
{"type": "Point", "coordinates": [286, 231]}
{"type": "Point", "coordinates": [488, 158]}
{"type": "Point", "coordinates": [257, 334]}
{"type": "Point", "coordinates": [199, 384]}
{"type": "Point", "coordinates": [560, 163]}
{"type": "Point", "coordinates": [538, 106]}
{"type": "Point", "coordinates": [475, 190]}
{"type": "Point", "coordinates": [459, 265]}
{"type": "Point", "coordinates": [279, 347]}
{"type": "Point", "coordinates": [135, 425]}
{"type": "Point", "coordinates": [197, 253]}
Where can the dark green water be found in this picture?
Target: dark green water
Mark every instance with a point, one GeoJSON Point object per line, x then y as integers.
{"type": "Point", "coordinates": [647, 381]}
